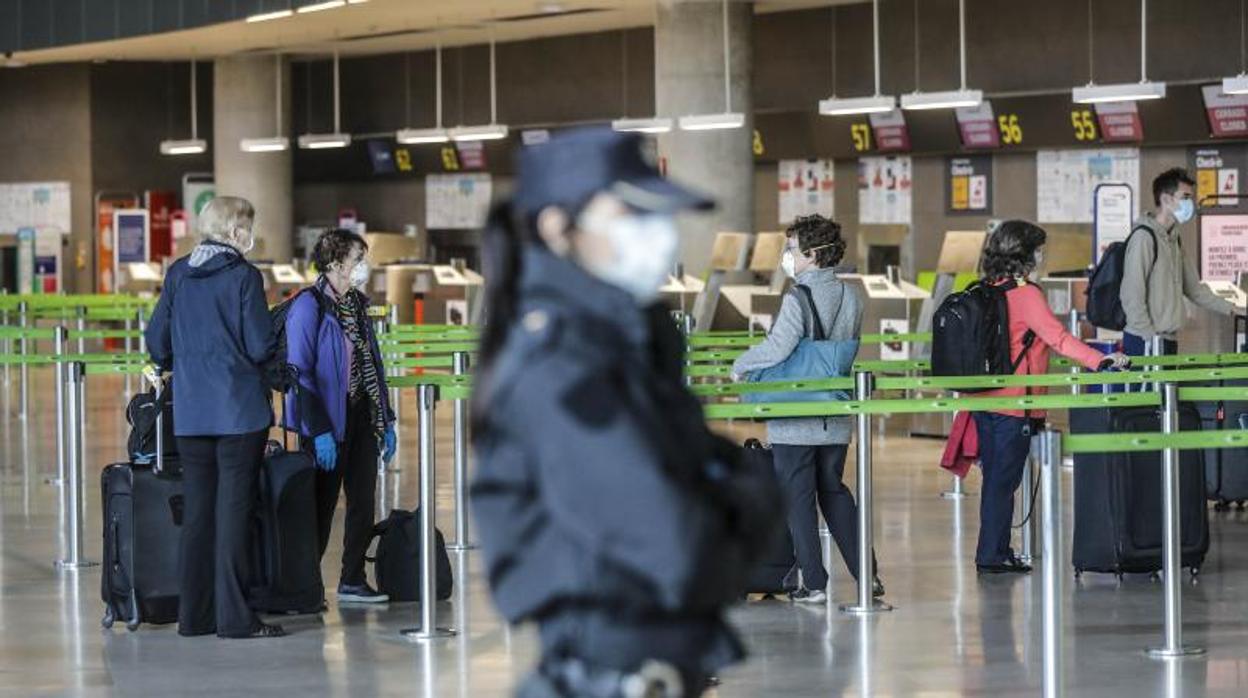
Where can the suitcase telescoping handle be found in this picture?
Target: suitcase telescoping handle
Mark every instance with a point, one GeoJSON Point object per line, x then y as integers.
{"type": "Point", "coordinates": [157, 379]}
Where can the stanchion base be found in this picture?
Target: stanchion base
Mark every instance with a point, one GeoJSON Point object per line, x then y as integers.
{"type": "Point", "coordinates": [1184, 651]}
{"type": "Point", "coordinates": [954, 495]}
{"type": "Point", "coordinates": [854, 609]}
{"type": "Point", "coordinates": [419, 635]}
{"type": "Point", "coordinates": [80, 565]}
{"type": "Point", "coordinates": [460, 547]}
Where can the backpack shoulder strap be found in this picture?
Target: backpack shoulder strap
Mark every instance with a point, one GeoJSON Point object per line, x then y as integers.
{"type": "Point", "coordinates": [807, 299]}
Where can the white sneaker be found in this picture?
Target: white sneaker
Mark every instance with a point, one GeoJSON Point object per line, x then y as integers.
{"type": "Point", "coordinates": [809, 596]}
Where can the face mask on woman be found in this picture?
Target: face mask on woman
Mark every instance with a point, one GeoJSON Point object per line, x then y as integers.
{"type": "Point", "coordinates": [644, 247]}
{"type": "Point", "coordinates": [359, 274]}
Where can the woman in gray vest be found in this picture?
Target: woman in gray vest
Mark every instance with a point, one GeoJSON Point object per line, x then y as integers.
{"type": "Point", "coordinates": [810, 452]}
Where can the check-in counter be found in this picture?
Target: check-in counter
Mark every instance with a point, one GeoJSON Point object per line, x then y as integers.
{"type": "Point", "coordinates": [141, 278]}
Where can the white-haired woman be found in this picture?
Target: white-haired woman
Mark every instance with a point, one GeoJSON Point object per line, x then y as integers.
{"type": "Point", "coordinates": [211, 327]}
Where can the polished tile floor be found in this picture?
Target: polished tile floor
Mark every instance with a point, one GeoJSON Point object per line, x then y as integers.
{"type": "Point", "coordinates": [951, 634]}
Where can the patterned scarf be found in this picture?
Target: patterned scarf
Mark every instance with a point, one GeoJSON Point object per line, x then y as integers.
{"type": "Point", "coordinates": [363, 376]}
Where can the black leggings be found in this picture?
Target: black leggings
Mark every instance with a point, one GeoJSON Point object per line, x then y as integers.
{"type": "Point", "coordinates": [355, 474]}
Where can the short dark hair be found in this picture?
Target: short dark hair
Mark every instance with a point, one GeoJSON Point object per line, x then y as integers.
{"type": "Point", "coordinates": [335, 245]}
{"type": "Point", "coordinates": [1168, 183]}
{"type": "Point", "coordinates": [817, 233]}
{"type": "Point", "coordinates": [1011, 249]}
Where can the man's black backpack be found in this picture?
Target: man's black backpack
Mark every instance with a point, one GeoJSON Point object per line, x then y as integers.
{"type": "Point", "coordinates": [141, 414]}
{"type": "Point", "coordinates": [971, 334]}
{"type": "Point", "coordinates": [277, 371]}
{"type": "Point", "coordinates": [397, 563]}
{"type": "Point", "coordinates": [1105, 284]}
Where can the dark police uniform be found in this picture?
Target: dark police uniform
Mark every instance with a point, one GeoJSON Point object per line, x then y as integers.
{"type": "Point", "coordinates": [608, 512]}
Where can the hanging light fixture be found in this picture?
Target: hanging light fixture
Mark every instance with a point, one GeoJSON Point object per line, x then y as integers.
{"type": "Point", "coordinates": [337, 139]}
{"type": "Point", "coordinates": [318, 6]}
{"type": "Point", "coordinates": [437, 134]}
{"type": "Point", "coordinates": [656, 123]}
{"type": "Point", "coordinates": [836, 106]}
{"type": "Point", "coordinates": [1123, 92]}
{"type": "Point", "coordinates": [1238, 85]}
{"type": "Point", "coordinates": [950, 99]}
{"type": "Point", "coordinates": [492, 131]}
{"type": "Point", "coordinates": [277, 143]}
{"type": "Point", "coordinates": [729, 118]}
{"type": "Point", "coordinates": [193, 145]}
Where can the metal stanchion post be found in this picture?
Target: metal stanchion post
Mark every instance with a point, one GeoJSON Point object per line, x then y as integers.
{"type": "Point", "coordinates": [866, 603]}
{"type": "Point", "coordinates": [686, 326]}
{"type": "Point", "coordinates": [1027, 545]}
{"type": "Point", "coordinates": [8, 344]}
{"type": "Point", "coordinates": [1051, 560]}
{"type": "Point", "coordinates": [142, 330]}
{"type": "Point", "coordinates": [129, 350]}
{"type": "Point", "coordinates": [462, 540]}
{"type": "Point", "coordinates": [82, 327]}
{"type": "Point", "coordinates": [428, 630]}
{"type": "Point", "coordinates": [71, 491]}
{"type": "Point", "coordinates": [60, 338]}
{"type": "Point", "coordinates": [23, 311]}
{"type": "Point", "coordinates": [955, 492]}
{"type": "Point", "coordinates": [1171, 533]}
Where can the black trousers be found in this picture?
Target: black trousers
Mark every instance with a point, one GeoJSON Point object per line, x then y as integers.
{"type": "Point", "coordinates": [810, 475]}
{"type": "Point", "coordinates": [214, 564]}
{"type": "Point", "coordinates": [356, 475]}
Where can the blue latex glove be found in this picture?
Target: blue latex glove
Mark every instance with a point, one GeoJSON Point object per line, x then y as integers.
{"type": "Point", "coordinates": [391, 442]}
{"type": "Point", "coordinates": [326, 451]}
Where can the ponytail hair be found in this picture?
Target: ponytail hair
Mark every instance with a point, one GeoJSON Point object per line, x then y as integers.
{"type": "Point", "coordinates": [502, 250]}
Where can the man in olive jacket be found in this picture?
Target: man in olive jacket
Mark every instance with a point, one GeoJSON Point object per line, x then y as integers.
{"type": "Point", "coordinates": [1156, 275]}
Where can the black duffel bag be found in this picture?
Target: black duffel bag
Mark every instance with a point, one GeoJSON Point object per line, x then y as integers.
{"type": "Point", "coordinates": [397, 562]}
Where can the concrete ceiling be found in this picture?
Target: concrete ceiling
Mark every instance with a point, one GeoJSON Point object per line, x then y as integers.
{"type": "Point", "coordinates": [389, 26]}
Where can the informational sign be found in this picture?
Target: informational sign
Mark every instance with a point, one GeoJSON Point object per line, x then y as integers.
{"type": "Point", "coordinates": [884, 190]}
{"type": "Point", "coordinates": [131, 241]}
{"type": "Point", "coordinates": [1228, 114]}
{"type": "Point", "coordinates": [26, 260]}
{"type": "Point", "coordinates": [197, 191]}
{"type": "Point", "coordinates": [1219, 171]}
{"type": "Point", "coordinates": [381, 157]}
{"type": "Point", "coordinates": [977, 126]}
{"type": "Point", "coordinates": [889, 129]}
{"type": "Point", "coordinates": [806, 187]}
{"type": "Point", "coordinates": [534, 136]}
{"type": "Point", "coordinates": [1114, 212]}
{"type": "Point", "coordinates": [1223, 246]}
{"type": "Point", "coordinates": [471, 155]}
{"type": "Point", "coordinates": [161, 205]}
{"type": "Point", "coordinates": [1119, 122]}
{"type": "Point", "coordinates": [35, 205]}
{"type": "Point", "coordinates": [1066, 180]}
{"type": "Point", "coordinates": [457, 201]}
{"type": "Point", "coordinates": [48, 247]}
{"type": "Point", "coordinates": [105, 207]}
{"type": "Point", "coordinates": [968, 184]}
{"type": "Point", "coordinates": [894, 351]}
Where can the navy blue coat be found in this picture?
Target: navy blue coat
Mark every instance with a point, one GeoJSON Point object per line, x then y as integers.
{"type": "Point", "coordinates": [212, 328]}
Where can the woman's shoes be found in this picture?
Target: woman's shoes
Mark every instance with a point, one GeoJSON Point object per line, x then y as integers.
{"type": "Point", "coordinates": [1011, 565]}
{"type": "Point", "coordinates": [877, 588]}
{"type": "Point", "coordinates": [266, 630]}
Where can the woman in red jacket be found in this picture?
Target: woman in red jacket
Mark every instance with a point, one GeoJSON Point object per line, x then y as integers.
{"type": "Point", "coordinates": [1013, 253]}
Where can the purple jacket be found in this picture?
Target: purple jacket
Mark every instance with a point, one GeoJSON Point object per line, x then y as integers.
{"type": "Point", "coordinates": [321, 354]}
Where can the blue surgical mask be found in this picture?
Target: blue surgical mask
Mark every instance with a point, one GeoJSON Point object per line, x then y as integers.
{"type": "Point", "coordinates": [1185, 211]}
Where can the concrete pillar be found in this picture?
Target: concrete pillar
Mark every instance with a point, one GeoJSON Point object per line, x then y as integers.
{"type": "Point", "coordinates": [689, 56]}
{"type": "Point", "coordinates": [245, 106]}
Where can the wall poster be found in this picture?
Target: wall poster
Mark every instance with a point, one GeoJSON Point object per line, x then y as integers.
{"type": "Point", "coordinates": [457, 201]}
{"type": "Point", "coordinates": [968, 184]}
{"type": "Point", "coordinates": [1067, 179]}
{"type": "Point", "coordinates": [806, 187]}
{"type": "Point", "coordinates": [884, 190]}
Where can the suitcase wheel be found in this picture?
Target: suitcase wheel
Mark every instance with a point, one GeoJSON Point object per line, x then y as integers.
{"type": "Point", "coordinates": [1195, 571]}
{"type": "Point", "coordinates": [1152, 577]}
{"type": "Point", "coordinates": [109, 618]}
{"type": "Point", "coordinates": [1222, 506]}
{"type": "Point", "coordinates": [1240, 504]}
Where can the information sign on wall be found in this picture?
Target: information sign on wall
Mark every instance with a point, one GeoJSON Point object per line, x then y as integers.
{"type": "Point", "coordinates": [457, 201]}
{"type": "Point", "coordinates": [978, 127]}
{"type": "Point", "coordinates": [1119, 122]}
{"type": "Point", "coordinates": [891, 134]}
{"type": "Point", "coordinates": [1218, 171]}
{"type": "Point", "coordinates": [1114, 213]}
{"type": "Point", "coordinates": [805, 187]}
{"type": "Point", "coordinates": [35, 205]}
{"type": "Point", "coordinates": [131, 241]}
{"type": "Point", "coordinates": [884, 190]}
{"type": "Point", "coordinates": [1223, 246]}
{"type": "Point", "coordinates": [1228, 114]}
{"type": "Point", "coordinates": [1066, 180]}
{"type": "Point", "coordinates": [968, 184]}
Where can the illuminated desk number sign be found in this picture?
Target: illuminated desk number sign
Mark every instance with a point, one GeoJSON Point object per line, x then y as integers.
{"type": "Point", "coordinates": [1084, 122]}
{"type": "Point", "coordinates": [861, 133]}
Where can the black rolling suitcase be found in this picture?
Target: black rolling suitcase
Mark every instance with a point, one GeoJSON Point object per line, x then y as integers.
{"type": "Point", "coordinates": [1118, 517]}
{"type": "Point", "coordinates": [1226, 469]}
{"type": "Point", "coordinates": [286, 560]}
{"type": "Point", "coordinates": [776, 573]}
{"type": "Point", "coordinates": [142, 506]}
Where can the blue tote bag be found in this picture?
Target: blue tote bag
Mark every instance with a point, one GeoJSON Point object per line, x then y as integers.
{"type": "Point", "coordinates": [815, 357]}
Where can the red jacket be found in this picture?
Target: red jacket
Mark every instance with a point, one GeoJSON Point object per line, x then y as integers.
{"type": "Point", "coordinates": [962, 450]}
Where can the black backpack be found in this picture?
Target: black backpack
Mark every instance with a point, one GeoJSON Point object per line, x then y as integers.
{"type": "Point", "coordinates": [277, 371]}
{"type": "Point", "coordinates": [971, 334]}
{"type": "Point", "coordinates": [397, 562]}
{"type": "Point", "coordinates": [141, 414]}
{"type": "Point", "coordinates": [1105, 284]}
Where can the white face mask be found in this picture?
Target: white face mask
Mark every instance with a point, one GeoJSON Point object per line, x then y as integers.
{"type": "Point", "coordinates": [788, 263]}
{"type": "Point", "coordinates": [359, 274]}
{"type": "Point", "coordinates": [645, 250]}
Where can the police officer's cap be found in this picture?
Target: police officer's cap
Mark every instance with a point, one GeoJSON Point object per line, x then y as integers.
{"type": "Point", "coordinates": [574, 165]}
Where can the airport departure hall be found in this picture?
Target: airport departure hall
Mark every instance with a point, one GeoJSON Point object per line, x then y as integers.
{"type": "Point", "coordinates": [623, 348]}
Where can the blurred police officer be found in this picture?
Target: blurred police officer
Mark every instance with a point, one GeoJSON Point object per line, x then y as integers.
{"type": "Point", "coordinates": [608, 512]}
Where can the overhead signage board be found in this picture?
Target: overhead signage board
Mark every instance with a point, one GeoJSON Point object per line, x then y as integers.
{"type": "Point", "coordinates": [889, 129]}
{"type": "Point", "coordinates": [977, 126]}
{"type": "Point", "coordinates": [968, 184]}
{"type": "Point", "coordinates": [1228, 114]}
{"type": "Point", "coordinates": [1119, 122]}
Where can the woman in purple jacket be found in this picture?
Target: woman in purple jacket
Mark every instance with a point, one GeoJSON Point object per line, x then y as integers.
{"type": "Point", "coordinates": [344, 409]}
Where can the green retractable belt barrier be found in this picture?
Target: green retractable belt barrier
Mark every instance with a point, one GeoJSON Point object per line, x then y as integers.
{"type": "Point", "coordinates": [783, 410]}
{"type": "Point", "coordinates": [446, 361]}
{"type": "Point", "coordinates": [726, 389]}
{"type": "Point", "coordinates": [93, 369]}
{"type": "Point", "coordinates": [391, 347]}
{"type": "Point", "coordinates": [49, 359]}
{"type": "Point", "coordinates": [1186, 440]}
{"type": "Point", "coordinates": [1184, 375]}
{"type": "Point", "coordinates": [104, 334]}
